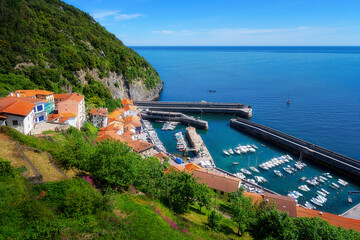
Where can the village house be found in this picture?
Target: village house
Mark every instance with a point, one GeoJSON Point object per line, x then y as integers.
{"type": "Point", "coordinates": [99, 117]}
{"type": "Point", "coordinates": [71, 103]}
{"type": "Point", "coordinates": [47, 96]}
{"type": "Point", "coordinates": [18, 114]}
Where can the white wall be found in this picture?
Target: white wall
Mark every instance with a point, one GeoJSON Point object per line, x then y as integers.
{"type": "Point", "coordinates": [71, 121]}
{"type": "Point", "coordinates": [25, 124]}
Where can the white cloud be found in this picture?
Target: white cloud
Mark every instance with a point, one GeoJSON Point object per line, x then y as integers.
{"type": "Point", "coordinates": [163, 32]}
{"type": "Point", "coordinates": [247, 31]}
{"type": "Point", "coordinates": [127, 16]}
{"type": "Point", "coordinates": [114, 15]}
{"type": "Point", "coordinates": [101, 15]}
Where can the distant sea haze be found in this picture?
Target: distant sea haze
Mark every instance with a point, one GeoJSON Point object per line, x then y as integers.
{"type": "Point", "coordinates": [323, 84]}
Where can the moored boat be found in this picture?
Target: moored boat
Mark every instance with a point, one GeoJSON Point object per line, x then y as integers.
{"type": "Point", "coordinates": [254, 169]}
{"type": "Point", "coordinates": [277, 172]}
{"type": "Point", "coordinates": [230, 151]}
{"type": "Point", "coordinates": [342, 182]}
{"type": "Point", "coordinates": [245, 171]}
{"type": "Point", "coordinates": [226, 153]}
{"type": "Point", "coordinates": [350, 199]}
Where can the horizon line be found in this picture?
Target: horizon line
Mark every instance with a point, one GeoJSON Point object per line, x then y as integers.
{"type": "Point", "coordinates": [243, 45]}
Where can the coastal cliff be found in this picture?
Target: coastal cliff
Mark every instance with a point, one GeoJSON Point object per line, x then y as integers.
{"type": "Point", "coordinates": [60, 48]}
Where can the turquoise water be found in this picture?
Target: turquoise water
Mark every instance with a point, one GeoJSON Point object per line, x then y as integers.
{"type": "Point", "coordinates": [324, 88]}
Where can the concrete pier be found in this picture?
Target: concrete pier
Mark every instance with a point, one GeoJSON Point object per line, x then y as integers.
{"type": "Point", "coordinates": [200, 150]}
{"type": "Point", "coordinates": [175, 117]}
{"type": "Point", "coordinates": [342, 164]}
{"type": "Point", "coordinates": [236, 109]}
{"type": "Point", "coordinates": [353, 212]}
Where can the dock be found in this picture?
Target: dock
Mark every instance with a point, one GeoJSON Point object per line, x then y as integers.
{"type": "Point", "coordinates": [344, 165]}
{"type": "Point", "coordinates": [353, 212]}
{"type": "Point", "coordinates": [200, 150]}
{"type": "Point", "coordinates": [235, 109]}
{"type": "Point", "coordinates": [175, 117]}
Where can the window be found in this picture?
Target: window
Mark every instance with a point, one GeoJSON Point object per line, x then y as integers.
{"type": "Point", "coordinates": [40, 108]}
{"type": "Point", "coordinates": [15, 122]}
{"type": "Point", "coordinates": [41, 118]}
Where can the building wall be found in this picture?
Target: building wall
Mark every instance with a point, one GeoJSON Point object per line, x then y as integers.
{"type": "Point", "coordinates": [223, 195]}
{"type": "Point", "coordinates": [71, 122]}
{"type": "Point", "coordinates": [99, 121]}
{"type": "Point", "coordinates": [25, 124]}
{"type": "Point", "coordinates": [81, 114]}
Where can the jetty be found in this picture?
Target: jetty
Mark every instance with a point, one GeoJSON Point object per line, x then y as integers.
{"type": "Point", "coordinates": [340, 163]}
{"type": "Point", "coordinates": [175, 117]}
{"type": "Point", "coordinates": [203, 157]}
{"type": "Point", "coordinates": [236, 109]}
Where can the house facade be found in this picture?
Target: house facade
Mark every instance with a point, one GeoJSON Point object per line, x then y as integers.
{"type": "Point", "coordinates": [99, 117]}
{"type": "Point", "coordinates": [72, 103]}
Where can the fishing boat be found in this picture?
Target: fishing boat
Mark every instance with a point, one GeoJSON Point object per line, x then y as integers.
{"type": "Point", "coordinates": [277, 172]}
{"type": "Point", "coordinates": [254, 169]}
{"type": "Point", "coordinates": [350, 199]}
{"type": "Point", "coordinates": [342, 182]}
{"type": "Point", "coordinates": [245, 171]}
{"type": "Point", "coordinates": [231, 151]}
{"type": "Point", "coordinates": [226, 153]}
{"type": "Point", "coordinates": [235, 163]}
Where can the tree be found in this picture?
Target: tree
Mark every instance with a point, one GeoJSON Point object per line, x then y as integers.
{"type": "Point", "coordinates": [182, 190]}
{"type": "Point", "coordinates": [203, 196]}
{"type": "Point", "coordinates": [241, 210]}
{"type": "Point", "coordinates": [273, 224]}
{"type": "Point", "coordinates": [214, 220]}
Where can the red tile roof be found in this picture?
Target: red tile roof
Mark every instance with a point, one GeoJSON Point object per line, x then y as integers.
{"type": "Point", "coordinates": [283, 203]}
{"type": "Point", "coordinates": [32, 93]}
{"type": "Point", "coordinates": [74, 97]}
{"type": "Point", "coordinates": [129, 107]}
{"type": "Point", "coordinates": [99, 112]}
{"type": "Point", "coordinates": [140, 146]}
{"type": "Point", "coordinates": [60, 96]}
{"type": "Point", "coordinates": [192, 166]}
{"type": "Point", "coordinates": [20, 108]}
{"type": "Point", "coordinates": [173, 168]}
{"type": "Point", "coordinates": [116, 113]}
{"type": "Point", "coordinates": [333, 219]}
{"type": "Point", "coordinates": [161, 156]}
{"type": "Point", "coordinates": [126, 101]}
{"type": "Point", "coordinates": [217, 181]}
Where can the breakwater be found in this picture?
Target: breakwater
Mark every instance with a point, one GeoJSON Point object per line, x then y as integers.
{"type": "Point", "coordinates": [174, 116]}
{"type": "Point", "coordinates": [342, 164]}
{"type": "Point", "coordinates": [236, 109]}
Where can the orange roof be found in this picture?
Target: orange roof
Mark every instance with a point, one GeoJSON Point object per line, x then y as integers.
{"type": "Point", "coordinates": [331, 218]}
{"type": "Point", "coordinates": [60, 96]}
{"type": "Point", "coordinates": [283, 203]}
{"type": "Point", "coordinates": [140, 146]}
{"type": "Point", "coordinates": [32, 93]}
{"type": "Point", "coordinates": [173, 168]}
{"type": "Point", "coordinates": [129, 126]}
{"type": "Point", "coordinates": [192, 166]}
{"type": "Point", "coordinates": [116, 113]}
{"type": "Point", "coordinates": [256, 198]}
{"type": "Point", "coordinates": [134, 123]}
{"type": "Point", "coordinates": [73, 97]}
{"type": "Point", "coordinates": [20, 108]}
{"type": "Point", "coordinates": [132, 118]}
{"type": "Point", "coordinates": [10, 100]}
{"type": "Point", "coordinates": [61, 117]}
{"type": "Point", "coordinates": [129, 107]}
{"type": "Point", "coordinates": [161, 156]}
{"type": "Point", "coordinates": [110, 135]}
{"type": "Point", "coordinates": [217, 181]}
{"type": "Point", "coordinates": [115, 126]}
{"type": "Point", "coordinates": [126, 101]}
{"type": "Point", "coordinates": [99, 112]}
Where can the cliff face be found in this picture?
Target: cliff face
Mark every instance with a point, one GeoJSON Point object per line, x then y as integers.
{"type": "Point", "coordinates": [61, 48]}
{"type": "Point", "coordinates": [120, 89]}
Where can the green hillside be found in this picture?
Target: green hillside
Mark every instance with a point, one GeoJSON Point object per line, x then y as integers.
{"type": "Point", "coordinates": [46, 42]}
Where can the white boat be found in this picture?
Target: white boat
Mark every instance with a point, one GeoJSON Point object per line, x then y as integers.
{"type": "Point", "coordinates": [327, 175]}
{"type": "Point", "coordinates": [298, 193]}
{"type": "Point", "coordinates": [237, 151]}
{"type": "Point", "coordinates": [316, 202]}
{"type": "Point", "coordinates": [231, 151]}
{"type": "Point", "coordinates": [245, 171]}
{"type": "Point", "coordinates": [304, 188]}
{"type": "Point", "coordinates": [342, 182]}
{"type": "Point", "coordinates": [350, 199]}
{"type": "Point", "coordinates": [288, 157]}
{"type": "Point", "coordinates": [254, 146]}
{"type": "Point", "coordinates": [323, 178]}
{"type": "Point", "coordinates": [226, 153]}
{"type": "Point", "coordinates": [321, 193]}
{"type": "Point", "coordinates": [277, 172]}
{"type": "Point", "coordinates": [263, 179]}
{"type": "Point", "coordinates": [240, 175]}
{"type": "Point", "coordinates": [335, 185]}
{"type": "Point", "coordinates": [258, 179]}
{"type": "Point", "coordinates": [309, 205]}
{"type": "Point", "coordinates": [254, 169]}
{"type": "Point", "coordinates": [263, 167]}
{"type": "Point", "coordinates": [287, 170]}
{"type": "Point", "coordinates": [325, 191]}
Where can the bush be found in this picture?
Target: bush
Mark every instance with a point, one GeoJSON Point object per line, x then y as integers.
{"type": "Point", "coordinates": [214, 220]}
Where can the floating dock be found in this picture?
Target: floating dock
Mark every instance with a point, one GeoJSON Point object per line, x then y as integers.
{"type": "Point", "coordinates": [342, 164]}
{"type": "Point", "coordinates": [175, 117]}
{"type": "Point", "coordinates": [236, 109]}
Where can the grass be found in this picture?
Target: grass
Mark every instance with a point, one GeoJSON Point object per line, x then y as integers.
{"type": "Point", "coordinates": [43, 165]}
{"type": "Point", "coordinates": [10, 152]}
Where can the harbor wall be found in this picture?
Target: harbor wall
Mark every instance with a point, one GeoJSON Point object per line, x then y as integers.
{"type": "Point", "coordinates": [237, 109]}
{"type": "Point", "coordinates": [342, 164]}
{"type": "Point", "coordinates": [176, 117]}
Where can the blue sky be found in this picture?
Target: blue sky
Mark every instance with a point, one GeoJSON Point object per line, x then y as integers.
{"type": "Point", "coordinates": [228, 22]}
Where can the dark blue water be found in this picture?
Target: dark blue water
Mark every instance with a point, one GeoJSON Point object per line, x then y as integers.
{"type": "Point", "coordinates": [324, 88]}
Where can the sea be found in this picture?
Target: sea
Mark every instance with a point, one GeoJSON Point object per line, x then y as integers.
{"type": "Point", "coordinates": [322, 83]}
